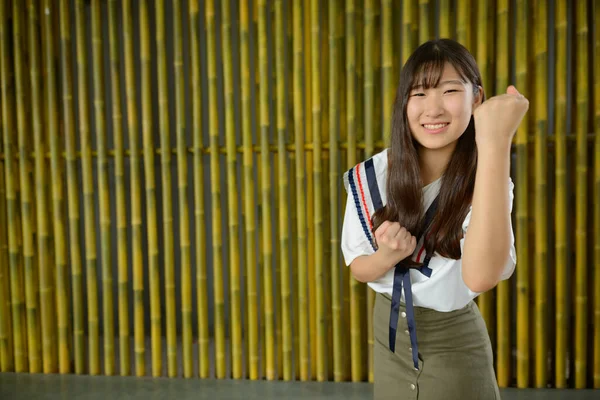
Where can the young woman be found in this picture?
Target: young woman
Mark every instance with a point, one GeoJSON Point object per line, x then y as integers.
{"type": "Point", "coordinates": [428, 226]}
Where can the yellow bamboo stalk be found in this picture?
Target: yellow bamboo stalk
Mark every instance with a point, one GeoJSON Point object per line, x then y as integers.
{"type": "Point", "coordinates": [232, 202]}
{"type": "Point", "coordinates": [249, 204]}
{"type": "Point", "coordinates": [321, 359]}
{"type": "Point", "coordinates": [446, 18]}
{"type": "Point", "coordinates": [72, 186]}
{"type": "Point", "coordinates": [334, 110]}
{"type": "Point", "coordinates": [369, 122]}
{"type": "Point", "coordinates": [355, 287]}
{"type": "Point", "coordinates": [463, 23]}
{"type": "Point", "coordinates": [103, 194]}
{"type": "Point", "coordinates": [6, 343]}
{"type": "Point", "coordinates": [136, 202]}
{"type": "Point", "coordinates": [581, 213]}
{"type": "Point", "coordinates": [485, 300]}
{"type": "Point", "coordinates": [33, 332]}
{"type": "Point", "coordinates": [199, 214]}
{"type": "Point", "coordinates": [300, 190]}
{"type": "Point", "coordinates": [541, 195]}
{"type": "Point", "coordinates": [182, 177]}
{"type": "Point", "coordinates": [387, 67]}
{"type": "Point", "coordinates": [47, 298]}
{"type": "Point", "coordinates": [153, 261]}
{"type": "Point", "coordinates": [503, 345]}
{"type": "Point", "coordinates": [117, 118]}
{"type": "Point", "coordinates": [560, 210]}
{"type": "Point", "coordinates": [57, 192]}
{"type": "Point", "coordinates": [597, 199]}
{"type": "Point", "coordinates": [425, 25]}
{"type": "Point", "coordinates": [167, 197]}
{"type": "Point", "coordinates": [522, 199]}
{"type": "Point", "coordinates": [284, 238]}
{"type": "Point", "coordinates": [410, 29]}
{"type": "Point", "coordinates": [269, 316]}
{"type": "Point", "coordinates": [88, 190]}
{"type": "Point", "coordinates": [221, 362]}
{"type": "Point", "coordinates": [11, 170]}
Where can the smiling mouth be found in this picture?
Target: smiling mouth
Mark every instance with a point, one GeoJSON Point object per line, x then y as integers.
{"type": "Point", "coordinates": [435, 127]}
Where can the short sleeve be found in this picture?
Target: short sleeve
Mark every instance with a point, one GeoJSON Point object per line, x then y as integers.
{"type": "Point", "coordinates": [512, 259]}
{"type": "Point", "coordinates": [354, 242]}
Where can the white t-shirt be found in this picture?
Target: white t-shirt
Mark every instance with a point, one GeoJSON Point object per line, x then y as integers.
{"type": "Point", "coordinates": [445, 289]}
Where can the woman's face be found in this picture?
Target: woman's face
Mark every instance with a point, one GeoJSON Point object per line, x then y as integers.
{"type": "Point", "coordinates": [438, 116]}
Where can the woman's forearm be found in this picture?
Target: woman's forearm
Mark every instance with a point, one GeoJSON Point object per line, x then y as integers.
{"type": "Point", "coordinates": [487, 242]}
{"type": "Point", "coordinates": [370, 268]}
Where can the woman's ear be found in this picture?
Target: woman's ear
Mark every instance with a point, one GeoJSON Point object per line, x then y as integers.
{"type": "Point", "coordinates": [478, 97]}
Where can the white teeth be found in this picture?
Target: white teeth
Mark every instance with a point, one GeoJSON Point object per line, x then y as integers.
{"type": "Point", "coordinates": [433, 127]}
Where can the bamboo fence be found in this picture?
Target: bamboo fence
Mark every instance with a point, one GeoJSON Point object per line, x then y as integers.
{"type": "Point", "coordinates": [269, 103]}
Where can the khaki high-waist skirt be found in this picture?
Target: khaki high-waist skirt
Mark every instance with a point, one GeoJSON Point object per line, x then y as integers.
{"type": "Point", "coordinates": [455, 356]}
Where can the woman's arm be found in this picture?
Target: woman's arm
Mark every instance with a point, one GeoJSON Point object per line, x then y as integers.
{"type": "Point", "coordinates": [488, 238]}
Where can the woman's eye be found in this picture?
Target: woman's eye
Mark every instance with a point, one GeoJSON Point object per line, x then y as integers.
{"type": "Point", "coordinates": [418, 94]}
{"type": "Point", "coordinates": [451, 91]}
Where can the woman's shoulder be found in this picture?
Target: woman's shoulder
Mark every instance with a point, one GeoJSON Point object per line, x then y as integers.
{"type": "Point", "coordinates": [376, 165]}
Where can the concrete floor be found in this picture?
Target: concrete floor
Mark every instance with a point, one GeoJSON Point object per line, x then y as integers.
{"type": "Point", "coordinates": [33, 387]}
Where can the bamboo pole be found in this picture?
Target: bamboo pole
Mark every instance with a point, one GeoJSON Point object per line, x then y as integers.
{"type": "Point", "coordinates": [62, 293]}
{"type": "Point", "coordinates": [284, 238]}
{"type": "Point", "coordinates": [321, 328]}
{"type": "Point", "coordinates": [387, 68]}
{"type": "Point", "coordinates": [355, 287]}
{"type": "Point", "coordinates": [325, 278]}
{"type": "Point", "coordinates": [485, 300]}
{"type": "Point", "coordinates": [199, 213]}
{"type": "Point", "coordinates": [136, 202]}
{"type": "Point", "coordinates": [6, 342]}
{"type": "Point", "coordinates": [463, 23]}
{"type": "Point", "coordinates": [182, 178]}
{"type": "Point", "coordinates": [232, 202]}
{"type": "Point", "coordinates": [425, 25]}
{"type": "Point", "coordinates": [221, 361]}
{"type": "Point", "coordinates": [410, 29]}
{"type": "Point", "coordinates": [310, 188]}
{"type": "Point", "coordinates": [249, 203]}
{"type": "Point", "coordinates": [47, 298]}
{"type": "Point", "coordinates": [33, 333]}
{"type": "Point", "coordinates": [167, 196]}
{"type": "Point", "coordinates": [88, 190]}
{"type": "Point", "coordinates": [446, 18]}
{"type": "Point", "coordinates": [561, 210]}
{"type": "Point", "coordinates": [300, 190]}
{"type": "Point", "coordinates": [596, 13]}
{"type": "Point", "coordinates": [265, 192]}
{"type": "Point", "coordinates": [369, 121]}
{"type": "Point", "coordinates": [503, 307]}
{"type": "Point", "coordinates": [581, 213]}
{"type": "Point", "coordinates": [335, 264]}
{"type": "Point", "coordinates": [522, 200]}
{"type": "Point", "coordinates": [117, 119]}
{"type": "Point", "coordinates": [72, 187]}
{"type": "Point", "coordinates": [16, 300]}
{"type": "Point", "coordinates": [103, 194]}
{"type": "Point", "coordinates": [541, 195]}
{"type": "Point", "coordinates": [149, 175]}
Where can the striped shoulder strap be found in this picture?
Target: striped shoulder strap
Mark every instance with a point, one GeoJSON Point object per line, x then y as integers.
{"type": "Point", "coordinates": [361, 182]}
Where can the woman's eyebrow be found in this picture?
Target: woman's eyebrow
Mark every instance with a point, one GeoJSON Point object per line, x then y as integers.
{"type": "Point", "coordinates": [452, 82]}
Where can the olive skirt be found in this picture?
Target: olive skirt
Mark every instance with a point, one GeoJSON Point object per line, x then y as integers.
{"type": "Point", "coordinates": [455, 356]}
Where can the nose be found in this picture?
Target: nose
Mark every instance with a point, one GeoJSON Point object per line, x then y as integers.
{"type": "Point", "coordinates": [434, 106]}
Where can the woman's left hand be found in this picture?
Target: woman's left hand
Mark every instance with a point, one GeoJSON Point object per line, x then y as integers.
{"type": "Point", "coordinates": [497, 119]}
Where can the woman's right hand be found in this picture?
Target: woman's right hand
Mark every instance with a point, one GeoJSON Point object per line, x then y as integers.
{"type": "Point", "coordinates": [394, 242]}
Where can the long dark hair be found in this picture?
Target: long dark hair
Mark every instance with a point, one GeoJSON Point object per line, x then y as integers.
{"type": "Point", "coordinates": [404, 186]}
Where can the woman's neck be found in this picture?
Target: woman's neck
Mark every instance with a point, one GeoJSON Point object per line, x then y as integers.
{"type": "Point", "coordinates": [433, 162]}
